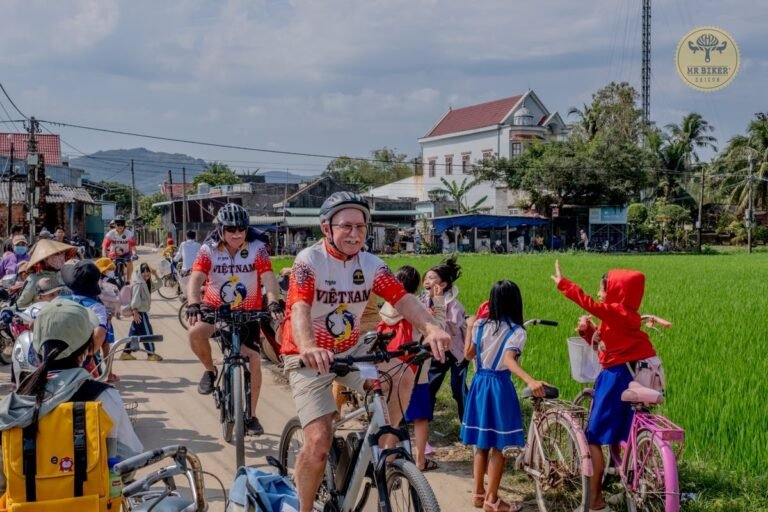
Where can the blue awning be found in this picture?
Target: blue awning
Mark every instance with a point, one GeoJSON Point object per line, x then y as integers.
{"type": "Point", "coordinates": [442, 224]}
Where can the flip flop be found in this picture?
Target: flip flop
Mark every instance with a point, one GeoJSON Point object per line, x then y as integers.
{"type": "Point", "coordinates": [430, 465]}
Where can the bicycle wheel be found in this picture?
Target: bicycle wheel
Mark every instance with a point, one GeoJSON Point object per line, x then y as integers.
{"type": "Point", "coordinates": [657, 487]}
{"type": "Point", "coordinates": [170, 288]}
{"type": "Point", "coordinates": [227, 420]}
{"type": "Point", "coordinates": [239, 415]}
{"type": "Point", "coordinates": [291, 441]}
{"type": "Point", "coordinates": [584, 399]}
{"type": "Point", "coordinates": [183, 315]}
{"type": "Point", "coordinates": [561, 485]}
{"type": "Point", "coordinates": [408, 489]}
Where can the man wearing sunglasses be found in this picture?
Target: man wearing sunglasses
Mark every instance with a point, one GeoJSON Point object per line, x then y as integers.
{"type": "Point", "coordinates": [330, 285]}
{"type": "Point", "coordinates": [119, 244]}
{"type": "Point", "coordinates": [233, 263]}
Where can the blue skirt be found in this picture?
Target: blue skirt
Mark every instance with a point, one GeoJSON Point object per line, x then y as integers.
{"type": "Point", "coordinates": [420, 406]}
{"type": "Point", "coordinates": [610, 419]}
{"type": "Point", "coordinates": [492, 416]}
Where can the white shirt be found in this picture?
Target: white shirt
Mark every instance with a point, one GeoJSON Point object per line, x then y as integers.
{"type": "Point", "coordinates": [492, 341]}
{"type": "Point", "coordinates": [187, 253]}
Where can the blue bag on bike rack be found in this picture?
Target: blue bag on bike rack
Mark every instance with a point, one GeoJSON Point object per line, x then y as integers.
{"type": "Point", "coordinates": [259, 491]}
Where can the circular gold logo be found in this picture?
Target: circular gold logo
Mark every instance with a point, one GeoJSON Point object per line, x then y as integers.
{"type": "Point", "coordinates": [707, 58]}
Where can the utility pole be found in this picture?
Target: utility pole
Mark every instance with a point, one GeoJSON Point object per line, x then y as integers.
{"type": "Point", "coordinates": [133, 198]}
{"type": "Point", "coordinates": [185, 212]}
{"type": "Point", "coordinates": [751, 206]}
{"type": "Point", "coordinates": [10, 189]}
{"type": "Point", "coordinates": [699, 226]}
{"type": "Point", "coordinates": [33, 161]}
{"type": "Point", "coordinates": [173, 206]}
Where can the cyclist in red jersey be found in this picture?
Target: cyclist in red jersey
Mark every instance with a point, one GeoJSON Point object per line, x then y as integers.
{"type": "Point", "coordinates": [120, 244]}
{"type": "Point", "coordinates": [331, 282]}
{"type": "Point", "coordinates": [233, 263]}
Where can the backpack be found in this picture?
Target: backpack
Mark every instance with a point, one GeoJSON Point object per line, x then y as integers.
{"type": "Point", "coordinates": [125, 299]}
{"type": "Point", "coordinates": [649, 373]}
{"type": "Point", "coordinates": [259, 491]}
{"type": "Point", "coordinates": [60, 463]}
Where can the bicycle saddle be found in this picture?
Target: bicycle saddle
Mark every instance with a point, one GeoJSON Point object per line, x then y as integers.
{"type": "Point", "coordinates": [550, 392]}
{"type": "Point", "coordinates": [637, 393]}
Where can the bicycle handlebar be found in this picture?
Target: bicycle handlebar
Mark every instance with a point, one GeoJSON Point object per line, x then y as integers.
{"type": "Point", "coordinates": [539, 321]}
{"type": "Point", "coordinates": [116, 346]}
{"type": "Point", "coordinates": [225, 314]}
{"type": "Point", "coordinates": [343, 365]}
{"type": "Point", "coordinates": [145, 459]}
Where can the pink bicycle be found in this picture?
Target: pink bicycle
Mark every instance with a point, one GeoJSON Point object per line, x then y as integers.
{"type": "Point", "coordinates": [646, 463]}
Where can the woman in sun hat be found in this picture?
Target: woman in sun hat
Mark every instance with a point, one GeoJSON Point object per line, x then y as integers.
{"type": "Point", "coordinates": [45, 260]}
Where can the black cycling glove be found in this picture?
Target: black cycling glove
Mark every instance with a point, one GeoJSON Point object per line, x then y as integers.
{"type": "Point", "coordinates": [276, 308]}
{"type": "Point", "coordinates": [192, 310]}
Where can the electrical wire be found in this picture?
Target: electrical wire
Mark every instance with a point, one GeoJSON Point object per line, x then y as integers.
{"type": "Point", "coordinates": [22, 114]}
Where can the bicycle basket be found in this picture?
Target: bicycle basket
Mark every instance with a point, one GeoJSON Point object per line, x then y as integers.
{"type": "Point", "coordinates": [585, 365]}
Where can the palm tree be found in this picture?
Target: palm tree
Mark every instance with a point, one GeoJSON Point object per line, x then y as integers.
{"type": "Point", "coordinates": [692, 133]}
{"type": "Point", "coordinates": [671, 156]}
{"type": "Point", "coordinates": [734, 166]}
{"type": "Point", "coordinates": [588, 118]}
{"type": "Point", "coordinates": [458, 194]}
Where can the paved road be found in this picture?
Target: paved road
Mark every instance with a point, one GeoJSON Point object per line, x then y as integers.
{"type": "Point", "coordinates": [171, 411]}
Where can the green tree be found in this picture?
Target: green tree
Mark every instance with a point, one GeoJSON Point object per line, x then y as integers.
{"type": "Point", "coordinates": [120, 194]}
{"type": "Point", "coordinates": [732, 167]}
{"type": "Point", "coordinates": [216, 174]}
{"type": "Point", "coordinates": [458, 195]}
{"type": "Point", "coordinates": [384, 166]}
{"type": "Point", "coordinates": [587, 126]}
{"type": "Point", "coordinates": [151, 217]}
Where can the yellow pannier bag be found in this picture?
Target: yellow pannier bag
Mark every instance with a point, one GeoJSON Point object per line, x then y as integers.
{"type": "Point", "coordinates": [59, 464]}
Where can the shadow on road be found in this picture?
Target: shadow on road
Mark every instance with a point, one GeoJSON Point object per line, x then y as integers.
{"type": "Point", "coordinates": [146, 384]}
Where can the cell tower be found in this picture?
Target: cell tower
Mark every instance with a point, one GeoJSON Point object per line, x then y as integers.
{"type": "Point", "coordinates": [646, 86]}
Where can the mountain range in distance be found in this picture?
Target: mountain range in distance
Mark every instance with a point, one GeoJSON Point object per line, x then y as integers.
{"type": "Point", "coordinates": [151, 168]}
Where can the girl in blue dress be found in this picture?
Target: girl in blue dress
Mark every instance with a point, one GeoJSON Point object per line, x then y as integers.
{"type": "Point", "coordinates": [492, 419]}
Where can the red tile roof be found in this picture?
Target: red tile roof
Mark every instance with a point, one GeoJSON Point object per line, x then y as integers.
{"type": "Point", "coordinates": [48, 145]}
{"type": "Point", "coordinates": [474, 116]}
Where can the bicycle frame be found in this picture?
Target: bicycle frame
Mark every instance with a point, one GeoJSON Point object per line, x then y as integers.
{"type": "Point", "coordinates": [370, 452]}
{"type": "Point", "coordinates": [231, 361]}
{"type": "Point", "coordinates": [666, 435]}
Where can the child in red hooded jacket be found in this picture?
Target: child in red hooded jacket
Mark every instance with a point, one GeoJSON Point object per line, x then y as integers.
{"type": "Point", "coordinates": [620, 341]}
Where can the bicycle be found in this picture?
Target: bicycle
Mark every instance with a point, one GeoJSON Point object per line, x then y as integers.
{"type": "Point", "coordinates": [646, 463]}
{"type": "Point", "coordinates": [170, 287]}
{"type": "Point", "coordinates": [121, 268]}
{"type": "Point", "coordinates": [556, 454]}
{"type": "Point", "coordinates": [139, 495]}
{"type": "Point", "coordinates": [400, 484]}
{"type": "Point", "coordinates": [105, 365]}
{"type": "Point", "coordinates": [232, 391]}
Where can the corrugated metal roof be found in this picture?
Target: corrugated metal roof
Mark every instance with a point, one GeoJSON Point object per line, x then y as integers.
{"type": "Point", "coordinates": [19, 192]}
{"type": "Point", "coordinates": [58, 193]}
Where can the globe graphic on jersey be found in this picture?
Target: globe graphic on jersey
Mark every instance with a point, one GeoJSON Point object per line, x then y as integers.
{"type": "Point", "coordinates": [233, 292]}
{"type": "Point", "coordinates": [340, 323]}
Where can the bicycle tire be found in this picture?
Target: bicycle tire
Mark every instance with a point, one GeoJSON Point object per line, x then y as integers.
{"type": "Point", "coordinates": [561, 486]}
{"type": "Point", "coordinates": [238, 411]}
{"type": "Point", "coordinates": [584, 399]}
{"type": "Point", "coordinates": [291, 441]}
{"type": "Point", "coordinates": [227, 423]}
{"type": "Point", "coordinates": [418, 497]}
{"type": "Point", "coordinates": [658, 487]}
{"type": "Point", "coordinates": [183, 315]}
{"type": "Point", "coordinates": [170, 288]}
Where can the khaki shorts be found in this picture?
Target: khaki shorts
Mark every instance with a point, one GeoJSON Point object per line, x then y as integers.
{"type": "Point", "coordinates": [312, 391]}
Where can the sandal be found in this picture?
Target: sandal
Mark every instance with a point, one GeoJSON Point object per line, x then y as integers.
{"type": "Point", "coordinates": [478, 500]}
{"type": "Point", "coordinates": [500, 506]}
{"type": "Point", "coordinates": [429, 465]}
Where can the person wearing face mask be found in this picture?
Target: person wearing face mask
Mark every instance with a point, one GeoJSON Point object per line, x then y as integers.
{"type": "Point", "coordinates": [14, 256]}
{"type": "Point", "coordinates": [45, 260]}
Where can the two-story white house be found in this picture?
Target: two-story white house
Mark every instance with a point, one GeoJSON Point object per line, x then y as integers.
{"type": "Point", "coordinates": [464, 136]}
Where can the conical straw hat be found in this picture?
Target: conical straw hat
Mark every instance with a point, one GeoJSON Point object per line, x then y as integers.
{"type": "Point", "coordinates": [44, 248]}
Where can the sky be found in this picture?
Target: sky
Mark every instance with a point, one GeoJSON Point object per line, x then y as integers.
{"type": "Point", "coordinates": [343, 77]}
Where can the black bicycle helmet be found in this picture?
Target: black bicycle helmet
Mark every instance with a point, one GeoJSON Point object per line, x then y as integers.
{"type": "Point", "coordinates": [232, 215]}
{"type": "Point", "coordinates": [119, 218]}
{"type": "Point", "coordinates": [342, 200]}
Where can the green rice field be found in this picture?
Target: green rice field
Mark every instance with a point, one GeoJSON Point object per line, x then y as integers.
{"type": "Point", "coordinates": [715, 356]}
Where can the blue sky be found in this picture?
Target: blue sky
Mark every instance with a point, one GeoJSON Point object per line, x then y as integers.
{"type": "Point", "coordinates": [345, 76]}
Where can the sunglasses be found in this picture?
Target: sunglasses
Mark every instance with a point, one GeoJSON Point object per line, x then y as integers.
{"type": "Point", "coordinates": [120, 224]}
{"type": "Point", "coordinates": [235, 229]}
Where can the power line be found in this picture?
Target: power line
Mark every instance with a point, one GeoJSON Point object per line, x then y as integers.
{"type": "Point", "coordinates": [22, 114]}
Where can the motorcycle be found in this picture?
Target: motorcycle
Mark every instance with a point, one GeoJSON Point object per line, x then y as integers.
{"type": "Point", "coordinates": [16, 323]}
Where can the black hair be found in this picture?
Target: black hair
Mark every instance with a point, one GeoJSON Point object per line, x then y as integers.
{"type": "Point", "coordinates": [191, 235]}
{"type": "Point", "coordinates": [505, 303]}
{"type": "Point", "coordinates": [16, 229]}
{"type": "Point", "coordinates": [144, 268]}
{"type": "Point", "coordinates": [410, 278]}
{"type": "Point", "coordinates": [448, 271]}
{"type": "Point", "coordinates": [34, 384]}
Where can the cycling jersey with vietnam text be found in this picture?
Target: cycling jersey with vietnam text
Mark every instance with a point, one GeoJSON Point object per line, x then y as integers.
{"type": "Point", "coordinates": [337, 290]}
{"type": "Point", "coordinates": [233, 280]}
{"type": "Point", "coordinates": [119, 244]}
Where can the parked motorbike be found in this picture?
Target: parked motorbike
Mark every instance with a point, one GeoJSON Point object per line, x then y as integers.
{"type": "Point", "coordinates": [17, 324]}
